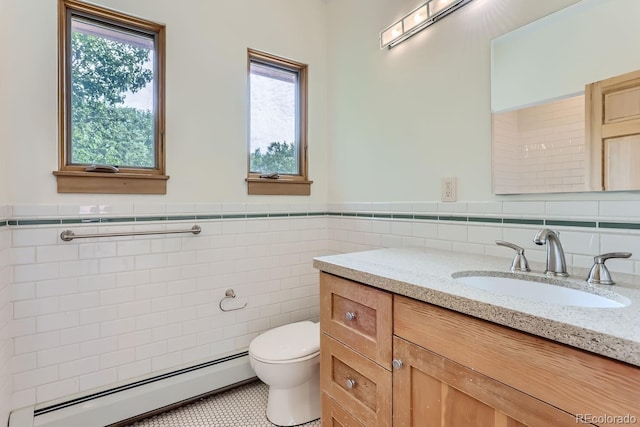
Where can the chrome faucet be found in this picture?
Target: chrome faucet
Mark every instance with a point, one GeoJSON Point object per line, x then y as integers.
{"type": "Point", "coordinates": [556, 264]}
{"type": "Point", "coordinates": [599, 274]}
{"type": "Point", "coordinates": [519, 262]}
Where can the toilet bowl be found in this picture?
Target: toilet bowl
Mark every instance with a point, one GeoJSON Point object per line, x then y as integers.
{"type": "Point", "coordinates": [287, 359]}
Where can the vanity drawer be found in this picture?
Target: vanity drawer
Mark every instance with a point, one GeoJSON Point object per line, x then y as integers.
{"type": "Point", "coordinates": [361, 386]}
{"type": "Point", "coordinates": [333, 415]}
{"type": "Point", "coordinates": [357, 315]}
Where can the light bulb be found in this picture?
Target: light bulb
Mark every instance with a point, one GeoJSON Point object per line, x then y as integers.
{"type": "Point", "coordinates": [415, 18]}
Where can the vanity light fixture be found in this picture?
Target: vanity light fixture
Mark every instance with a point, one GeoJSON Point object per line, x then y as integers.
{"type": "Point", "coordinates": [417, 20]}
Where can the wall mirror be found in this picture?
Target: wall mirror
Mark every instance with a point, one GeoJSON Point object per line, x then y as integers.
{"type": "Point", "coordinates": [541, 134]}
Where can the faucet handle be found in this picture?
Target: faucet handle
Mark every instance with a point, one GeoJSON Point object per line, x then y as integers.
{"type": "Point", "coordinates": [599, 274]}
{"type": "Point", "coordinates": [519, 260]}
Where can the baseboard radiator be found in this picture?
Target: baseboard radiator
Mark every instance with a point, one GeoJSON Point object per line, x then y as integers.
{"type": "Point", "coordinates": [128, 401]}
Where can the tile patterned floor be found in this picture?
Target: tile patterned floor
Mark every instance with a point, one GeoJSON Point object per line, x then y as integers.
{"type": "Point", "coordinates": [243, 406]}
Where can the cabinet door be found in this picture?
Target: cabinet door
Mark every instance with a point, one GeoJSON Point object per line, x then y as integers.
{"type": "Point", "coordinates": [357, 315]}
{"type": "Point", "coordinates": [430, 390]}
{"type": "Point", "coordinates": [577, 381]}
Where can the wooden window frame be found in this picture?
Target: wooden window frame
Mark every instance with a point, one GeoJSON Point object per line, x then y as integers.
{"type": "Point", "coordinates": [298, 185]}
{"type": "Point", "coordinates": [74, 178]}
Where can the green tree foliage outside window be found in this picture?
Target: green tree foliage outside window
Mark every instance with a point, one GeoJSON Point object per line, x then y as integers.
{"type": "Point", "coordinates": [104, 129]}
{"type": "Point", "coordinates": [279, 158]}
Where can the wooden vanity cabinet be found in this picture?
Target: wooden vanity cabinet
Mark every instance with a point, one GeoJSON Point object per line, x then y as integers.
{"type": "Point", "coordinates": [458, 370]}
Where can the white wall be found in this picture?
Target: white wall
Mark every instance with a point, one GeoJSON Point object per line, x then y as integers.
{"type": "Point", "coordinates": [403, 118]}
{"type": "Point", "coordinates": [6, 309]}
{"type": "Point", "coordinates": [557, 56]}
{"type": "Point", "coordinates": [6, 98]}
{"type": "Point", "coordinates": [206, 93]}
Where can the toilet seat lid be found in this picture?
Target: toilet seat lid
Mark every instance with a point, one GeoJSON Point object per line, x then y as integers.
{"type": "Point", "coordinates": [287, 342]}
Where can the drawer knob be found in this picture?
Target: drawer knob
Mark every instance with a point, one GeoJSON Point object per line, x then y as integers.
{"type": "Point", "coordinates": [350, 383]}
{"type": "Point", "coordinates": [397, 363]}
{"type": "Point", "coordinates": [350, 316]}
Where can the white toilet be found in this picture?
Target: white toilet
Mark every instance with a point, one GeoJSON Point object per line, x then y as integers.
{"type": "Point", "coordinates": [287, 359]}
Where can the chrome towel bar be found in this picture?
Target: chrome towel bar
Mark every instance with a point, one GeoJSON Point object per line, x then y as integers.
{"type": "Point", "coordinates": [69, 235]}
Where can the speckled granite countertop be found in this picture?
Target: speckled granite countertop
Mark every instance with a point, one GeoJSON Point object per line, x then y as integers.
{"type": "Point", "coordinates": [426, 275]}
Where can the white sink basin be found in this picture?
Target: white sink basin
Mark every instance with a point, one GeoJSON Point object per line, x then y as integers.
{"type": "Point", "coordinates": [536, 291]}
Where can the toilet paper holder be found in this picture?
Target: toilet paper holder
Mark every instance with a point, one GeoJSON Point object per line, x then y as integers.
{"type": "Point", "coordinates": [230, 294]}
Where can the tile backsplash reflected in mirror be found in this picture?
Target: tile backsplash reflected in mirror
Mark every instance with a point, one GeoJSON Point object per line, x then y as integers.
{"type": "Point", "coordinates": [541, 149]}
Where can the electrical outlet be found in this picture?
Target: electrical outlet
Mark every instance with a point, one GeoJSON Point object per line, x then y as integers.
{"type": "Point", "coordinates": [448, 190]}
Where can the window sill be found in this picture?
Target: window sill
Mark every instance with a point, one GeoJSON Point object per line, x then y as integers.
{"type": "Point", "coordinates": [110, 183]}
{"type": "Point", "coordinates": [278, 187]}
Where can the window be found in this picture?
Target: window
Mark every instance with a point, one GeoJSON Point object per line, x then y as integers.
{"type": "Point", "coordinates": [277, 126]}
{"type": "Point", "coordinates": [111, 102]}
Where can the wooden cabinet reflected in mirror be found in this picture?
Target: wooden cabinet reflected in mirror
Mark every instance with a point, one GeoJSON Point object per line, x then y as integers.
{"type": "Point", "coordinates": [613, 132]}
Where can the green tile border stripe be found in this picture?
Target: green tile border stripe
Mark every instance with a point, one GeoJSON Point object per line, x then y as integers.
{"type": "Point", "coordinates": [38, 221]}
{"type": "Point", "coordinates": [463, 218]}
{"type": "Point", "coordinates": [209, 216]}
{"type": "Point", "coordinates": [402, 216]}
{"type": "Point", "coordinates": [426, 217]}
{"type": "Point", "coordinates": [522, 221]}
{"type": "Point", "coordinates": [151, 218]}
{"type": "Point", "coordinates": [453, 218]}
{"type": "Point", "coordinates": [100, 220]}
{"type": "Point", "coordinates": [351, 214]}
{"type": "Point", "coordinates": [181, 218]}
{"type": "Point", "coordinates": [563, 223]}
{"type": "Point", "coordinates": [80, 221]}
{"type": "Point", "coordinates": [485, 219]}
{"type": "Point", "coordinates": [619, 225]}
{"type": "Point", "coordinates": [122, 219]}
{"type": "Point", "coordinates": [236, 216]}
